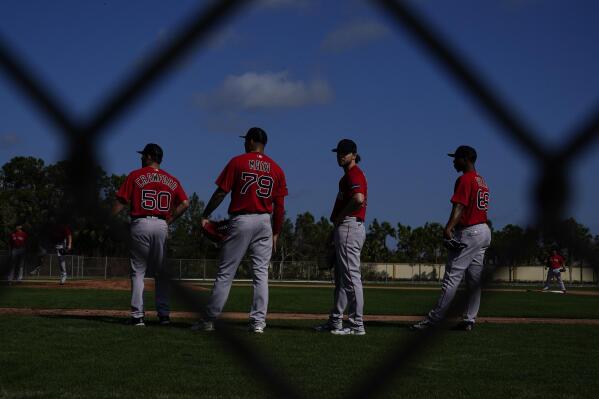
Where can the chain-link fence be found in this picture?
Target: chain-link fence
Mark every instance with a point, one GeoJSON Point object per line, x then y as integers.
{"type": "Point", "coordinates": [553, 179]}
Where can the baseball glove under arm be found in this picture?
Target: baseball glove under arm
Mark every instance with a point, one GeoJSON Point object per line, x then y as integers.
{"type": "Point", "coordinates": [453, 244]}
{"type": "Point", "coordinates": [216, 231]}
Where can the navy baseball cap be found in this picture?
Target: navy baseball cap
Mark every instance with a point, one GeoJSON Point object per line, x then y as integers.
{"type": "Point", "coordinates": [464, 151]}
{"type": "Point", "coordinates": [346, 146]}
{"type": "Point", "coordinates": [256, 134]}
{"type": "Point", "coordinates": [151, 149]}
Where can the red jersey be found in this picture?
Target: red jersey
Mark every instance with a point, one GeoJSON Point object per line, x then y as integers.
{"type": "Point", "coordinates": [253, 180]}
{"type": "Point", "coordinates": [352, 182]}
{"type": "Point", "coordinates": [18, 239]}
{"type": "Point", "coordinates": [60, 233]}
{"type": "Point", "coordinates": [472, 192]}
{"type": "Point", "coordinates": [556, 261]}
{"type": "Point", "coordinates": [151, 192]}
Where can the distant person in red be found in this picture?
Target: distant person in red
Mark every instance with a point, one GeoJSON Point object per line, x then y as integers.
{"type": "Point", "coordinates": [17, 243]}
{"type": "Point", "coordinates": [56, 237]}
{"type": "Point", "coordinates": [555, 265]}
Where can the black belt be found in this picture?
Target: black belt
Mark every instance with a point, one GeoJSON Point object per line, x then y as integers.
{"type": "Point", "coordinates": [148, 217]}
{"type": "Point", "coordinates": [355, 217]}
{"type": "Point", "coordinates": [463, 226]}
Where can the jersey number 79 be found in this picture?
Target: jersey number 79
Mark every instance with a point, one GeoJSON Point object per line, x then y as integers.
{"type": "Point", "coordinates": [264, 183]}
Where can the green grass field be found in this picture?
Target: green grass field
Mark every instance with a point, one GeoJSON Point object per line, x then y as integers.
{"type": "Point", "coordinates": [101, 357]}
{"type": "Point", "coordinates": [319, 300]}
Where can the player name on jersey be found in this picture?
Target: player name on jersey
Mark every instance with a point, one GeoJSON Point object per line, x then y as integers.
{"type": "Point", "coordinates": [261, 166]}
{"type": "Point", "coordinates": [155, 177]}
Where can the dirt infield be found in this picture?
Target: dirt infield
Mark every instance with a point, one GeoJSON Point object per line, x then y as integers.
{"type": "Point", "coordinates": [279, 316]}
{"type": "Point", "coordinates": [117, 285]}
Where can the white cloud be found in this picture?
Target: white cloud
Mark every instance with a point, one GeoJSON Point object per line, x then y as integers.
{"type": "Point", "coordinates": [354, 34]}
{"type": "Point", "coordinates": [253, 90]}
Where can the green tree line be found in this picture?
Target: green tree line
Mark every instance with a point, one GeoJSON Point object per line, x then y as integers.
{"type": "Point", "coordinates": [32, 192]}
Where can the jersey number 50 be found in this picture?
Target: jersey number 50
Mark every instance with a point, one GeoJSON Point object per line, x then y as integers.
{"type": "Point", "coordinates": [482, 200]}
{"type": "Point", "coordinates": [152, 200]}
{"type": "Point", "coordinates": [264, 183]}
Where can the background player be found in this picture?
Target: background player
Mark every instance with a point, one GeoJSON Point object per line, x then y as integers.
{"type": "Point", "coordinates": [349, 235]}
{"type": "Point", "coordinates": [56, 237]}
{"type": "Point", "coordinates": [468, 226]}
{"type": "Point", "coordinates": [257, 185]}
{"type": "Point", "coordinates": [555, 265]}
{"type": "Point", "coordinates": [17, 244]}
{"type": "Point", "coordinates": [156, 198]}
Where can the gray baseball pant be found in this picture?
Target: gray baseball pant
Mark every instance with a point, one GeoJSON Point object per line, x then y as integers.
{"type": "Point", "coordinates": [59, 249]}
{"type": "Point", "coordinates": [17, 263]}
{"type": "Point", "coordinates": [251, 232]}
{"type": "Point", "coordinates": [62, 261]}
{"type": "Point", "coordinates": [349, 238]}
{"type": "Point", "coordinates": [148, 253]}
{"type": "Point", "coordinates": [555, 273]}
{"type": "Point", "coordinates": [468, 262]}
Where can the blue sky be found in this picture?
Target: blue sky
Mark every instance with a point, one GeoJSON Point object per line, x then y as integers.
{"type": "Point", "coordinates": [311, 72]}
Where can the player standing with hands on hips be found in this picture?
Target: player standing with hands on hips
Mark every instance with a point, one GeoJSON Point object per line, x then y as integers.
{"type": "Point", "coordinates": [156, 199]}
{"type": "Point", "coordinates": [467, 236]}
{"type": "Point", "coordinates": [258, 188]}
{"type": "Point", "coordinates": [349, 235]}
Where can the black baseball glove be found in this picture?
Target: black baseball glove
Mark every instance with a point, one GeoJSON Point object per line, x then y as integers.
{"type": "Point", "coordinates": [563, 269]}
{"type": "Point", "coordinates": [453, 245]}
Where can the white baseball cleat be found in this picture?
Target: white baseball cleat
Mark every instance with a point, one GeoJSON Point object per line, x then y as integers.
{"type": "Point", "coordinates": [63, 279]}
{"type": "Point", "coordinates": [137, 322]}
{"type": "Point", "coordinates": [203, 326]}
{"type": "Point", "coordinates": [326, 327]}
{"type": "Point", "coordinates": [349, 331]}
{"type": "Point", "coordinates": [256, 329]}
{"type": "Point", "coordinates": [422, 325]}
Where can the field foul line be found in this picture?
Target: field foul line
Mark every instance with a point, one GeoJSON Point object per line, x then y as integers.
{"type": "Point", "coordinates": [283, 316]}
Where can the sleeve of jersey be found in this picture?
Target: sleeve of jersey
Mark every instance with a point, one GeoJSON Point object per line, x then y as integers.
{"type": "Point", "coordinates": [461, 194]}
{"type": "Point", "coordinates": [356, 184]}
{"type": "Point", "coordinates": [227, 177]}
{"type": "Point", "coordinates": [281, 190]}
{"type": "Point", "coordinates": [124, 193]}
{"type": "Point", "coordinates": [180, 193]}
{"type": "Point", "coordinates": [278, 214]}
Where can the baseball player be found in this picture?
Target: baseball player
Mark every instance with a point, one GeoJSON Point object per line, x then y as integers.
{"type": "Point", "coordinates": [55, 237]}
{"type": "Point", "coordinates": [349, 235]}
{"type": "Point", "coordinates": [257, 186]}
{"type": "Point", "coordinates": [155, 200]}
{"type": "Point", "coordinates": [555, 265]}
{"type": "Point", "coordinates": [469, 237]}
{"type": "Point", "coordinates": [17, 243]}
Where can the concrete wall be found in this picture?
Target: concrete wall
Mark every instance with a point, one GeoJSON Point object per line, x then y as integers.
{"type": "Point", "coordinates": [533, 273]}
